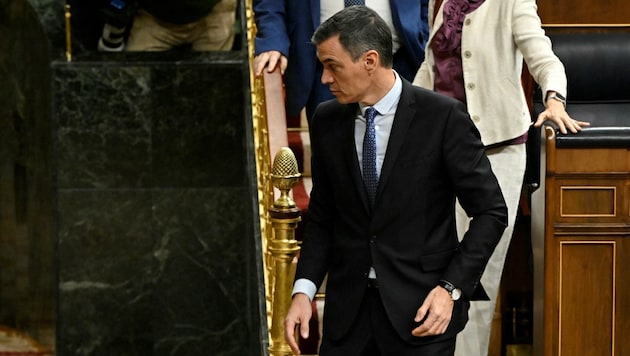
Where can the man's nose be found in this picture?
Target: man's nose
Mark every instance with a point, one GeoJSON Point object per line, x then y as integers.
{"type": "Point", "coordinates": [326, 77]}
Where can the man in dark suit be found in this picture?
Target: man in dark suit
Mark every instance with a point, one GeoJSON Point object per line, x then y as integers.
{"type": "Point", "coordinates": [284, 30]}
{"type": "Point", "coordinates": [382, 209]}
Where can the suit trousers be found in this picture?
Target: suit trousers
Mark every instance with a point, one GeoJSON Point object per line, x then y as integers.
{"type": "Point", "coordinates": [372, 334]}
{"type": "Point", "coordinates": [214, 32]}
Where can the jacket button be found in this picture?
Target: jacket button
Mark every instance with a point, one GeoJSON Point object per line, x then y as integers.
{"type": "Point", "coordinates": [476, 118]}
{"type": "Point", "coordinates": [467, 22]}
{"type": "Point", "coordinates": [471, 86]}
{"type": "Point", "coordinates": [467, 54]}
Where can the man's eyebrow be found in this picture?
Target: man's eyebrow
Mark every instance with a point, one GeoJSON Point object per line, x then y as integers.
{"type": "Point", "coordinates": [329, 60]}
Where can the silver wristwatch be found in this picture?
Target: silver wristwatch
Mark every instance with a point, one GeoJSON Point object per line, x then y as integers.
{"type": "Point", "coordinates": [557, 97]}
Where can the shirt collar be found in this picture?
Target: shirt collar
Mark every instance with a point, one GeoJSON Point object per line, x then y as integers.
{"type": "Point", "coordinates": [390, 101]}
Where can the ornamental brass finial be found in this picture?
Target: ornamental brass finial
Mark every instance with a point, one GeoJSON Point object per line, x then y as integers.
{"type": "Point", "coordinates": [284, 176]}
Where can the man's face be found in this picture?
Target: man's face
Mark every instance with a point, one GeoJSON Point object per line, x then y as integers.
{"type": "Point", "coordinates": [348, 81]}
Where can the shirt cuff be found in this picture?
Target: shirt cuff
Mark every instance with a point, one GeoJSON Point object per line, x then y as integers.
{"type": "Point", "coordinates": [305, 286]}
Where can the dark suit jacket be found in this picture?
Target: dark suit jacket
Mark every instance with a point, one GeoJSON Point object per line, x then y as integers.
{"type": "Point", "coordinates": [287, 26]}
{"type": "Point", "coordinates": [409, 236]}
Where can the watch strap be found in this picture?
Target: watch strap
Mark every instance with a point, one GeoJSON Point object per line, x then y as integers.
{"type": "Point", "coordinates": [557, 97]}
{"type": "Point", "coordinates": [447, 285]}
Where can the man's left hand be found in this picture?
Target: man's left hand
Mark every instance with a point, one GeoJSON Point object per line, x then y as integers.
{"type": "Point", "coordinates": [436, 310]}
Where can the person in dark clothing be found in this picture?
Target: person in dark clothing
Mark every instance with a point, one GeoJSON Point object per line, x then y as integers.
{"type": "Point", "coordinates": [388, 162]}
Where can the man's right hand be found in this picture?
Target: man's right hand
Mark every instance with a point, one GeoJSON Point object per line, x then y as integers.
{"type": "Point", "coordinates": [299, 313]}
{"type": "Point", "coordinates": [269, 60]}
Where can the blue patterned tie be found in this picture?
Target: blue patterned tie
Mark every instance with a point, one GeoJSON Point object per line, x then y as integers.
{"type": "Point", "coordinates": [353, 2]}
{"type": "Point", "coordinates": [370, 177]}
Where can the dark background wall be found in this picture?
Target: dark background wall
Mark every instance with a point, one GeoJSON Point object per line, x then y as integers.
{"type": "Point", "coordinates": [146, 165]}
{"type": "Point", "coordinates": [27, 278]}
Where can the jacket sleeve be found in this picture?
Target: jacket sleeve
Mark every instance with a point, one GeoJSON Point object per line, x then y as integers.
{"type": "Point", "coordinates": [479, 194]}
{"type": "Point", "coordinates": [271, 28]}
{"type": "Point", "coordinates": [535, 46]}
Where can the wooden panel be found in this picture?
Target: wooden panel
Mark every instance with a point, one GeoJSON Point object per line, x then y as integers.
{"type": "Point", "coordinates": [584, 11]}
{"type": "Point", "coordinates": [591, 160]}
{"type": "Point", "coordinates": [587, 244]}
{"type": "Point", "coordinates": [588, 201]}
{"type": "Point", "coordinates": [274, 110]}
{"type": "Point", "coordinates": [587, 298]}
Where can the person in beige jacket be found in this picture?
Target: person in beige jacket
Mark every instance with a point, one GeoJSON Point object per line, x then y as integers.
{"type": "Point", "coordinates": [475, 54]}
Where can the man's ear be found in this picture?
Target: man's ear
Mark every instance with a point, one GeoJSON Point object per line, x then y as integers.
{"type": "Point", "coordinates": [371, 59]}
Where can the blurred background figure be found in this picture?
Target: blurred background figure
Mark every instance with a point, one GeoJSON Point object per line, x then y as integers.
{"type": "Point", "coordinates": [162, 25]}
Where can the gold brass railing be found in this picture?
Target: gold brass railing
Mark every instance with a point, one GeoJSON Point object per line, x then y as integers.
{"type": "Point", "coordinates": [282, 246]}
{"type": "Point", "coordinates": [279, 218]}
{"type": "Point", "coordinates": [261, 144]}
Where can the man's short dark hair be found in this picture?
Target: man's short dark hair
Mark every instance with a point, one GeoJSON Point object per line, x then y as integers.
{"type": "Point", "coordinates": [360, 29]}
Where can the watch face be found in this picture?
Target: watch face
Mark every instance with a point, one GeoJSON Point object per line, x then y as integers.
{"type": "Point", "coordinates": [456, 294]}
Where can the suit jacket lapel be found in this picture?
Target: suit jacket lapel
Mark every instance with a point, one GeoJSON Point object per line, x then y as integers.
{"type": "Point", "coordinates": [402, 119]}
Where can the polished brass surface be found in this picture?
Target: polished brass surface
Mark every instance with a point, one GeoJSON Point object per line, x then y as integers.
{"type": "Point", "coordinates": [67, 16]}
{"type": "Point", "coordinates": [284, 176]}
{"type": "Point", "coordinates": [263, 155]}
{"type": "Point", "coordinates": [283, 247]}
{"type": "Point", "coordinates": [279, 219]}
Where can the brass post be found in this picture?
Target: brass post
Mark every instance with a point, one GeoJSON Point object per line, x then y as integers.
{"type": "Point", "coordinates": [283, 247]}
{"type": "Point", "coordinates": [263, 158]}
{"type": "Point", "coordinates": [68, 15]}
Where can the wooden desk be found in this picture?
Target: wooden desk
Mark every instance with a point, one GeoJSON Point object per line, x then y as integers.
{"type": "Point", "coordinates": [587, 249]}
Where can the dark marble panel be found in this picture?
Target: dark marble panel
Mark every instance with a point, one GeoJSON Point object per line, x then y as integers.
{"type": "Point", "coordinates": [202, 304]}
{"type": "Point", "coordinates": [198, 135]}
{"type": "Point", "coordinates": [106, 272]}
{"type": "Point", "coordinates": [154, 124]}
{"type": "Point", "coordinates": [103, 124]}
{"type": "Point", "coordinates": [156, 272]}
{"type": "Point", "coordinates": [156, 207]}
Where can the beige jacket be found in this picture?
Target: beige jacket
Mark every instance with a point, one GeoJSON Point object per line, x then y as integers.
{"type": "Point", "coordinates": [496, 38]}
